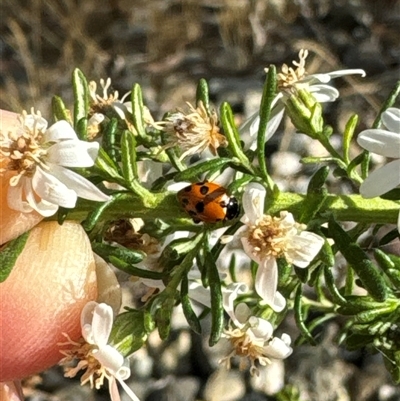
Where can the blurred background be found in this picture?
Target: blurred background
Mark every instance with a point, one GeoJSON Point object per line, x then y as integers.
{"type": "Point", "coordinates": [167, 46]}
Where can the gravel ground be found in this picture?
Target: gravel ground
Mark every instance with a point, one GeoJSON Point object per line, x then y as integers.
{"type": "Point", "coordinates": [166, 46]}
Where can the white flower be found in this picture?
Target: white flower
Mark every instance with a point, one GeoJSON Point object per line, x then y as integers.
{"type": "Point", "coordinates": [290, 80]}
{"type": "Point", "coordinates": [100, 103]}
{"type": "Point", "coordinates": [385, 143]}
{"type": "Point", "coordinates": [40, 157]}
{"type": "Point", "coordinates": [100, 359]}
{"type": "Point", "coordinates": [251, 337]}
{"type": "Point", "coordinates": [193, 132]}
{"type": "Point", "coordinates": [266, 238]}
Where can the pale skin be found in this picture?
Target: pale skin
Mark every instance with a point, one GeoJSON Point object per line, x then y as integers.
{"type": "Point", "coordinates": [54, 277]}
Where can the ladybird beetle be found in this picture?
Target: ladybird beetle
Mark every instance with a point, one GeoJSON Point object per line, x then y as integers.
{"type": "Point", "coordinates": [208, 202]}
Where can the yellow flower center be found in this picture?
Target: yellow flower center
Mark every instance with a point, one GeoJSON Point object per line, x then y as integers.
{"type": "Point", "coordinates": [195, 131]}
{"type": "Point", "coordinates": [271, 236]}
{"type": "Point", "coordinates": [22, 152]}
{"type": "Point", "coordinates": [83, 352]}
{"type": "Point", "coordinates": [248, 350]}
{"type": "Point", "coordinates": [289, 76]}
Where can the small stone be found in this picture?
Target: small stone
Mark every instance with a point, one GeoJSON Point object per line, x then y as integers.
{"type": "Point", "coordinates": [225, 385]}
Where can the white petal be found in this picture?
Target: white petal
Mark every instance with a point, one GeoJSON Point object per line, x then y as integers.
{"type": "Point", "coordinates": [113, 389]}
{"type": "Point", "coordinates": [102, 324]}
{"type": "Point", "coordinates": [32, 122]}
{"type": "Point", "coordinates": [121, 110]}
{"type": "Point", "coordinates": [274, 121]}
{"type": "Point", "coordinates": [266, 280]}
{"type": "Point", "coordinates": [124, 371]}
{"type": "Point", "coordinates": [391, 119]}
{"type": "Point", "coordinates": [59, 131]}
{"type": "Point", "coordinates": [73, 153]}
{"type": "Point", "coordinates": [261, 328]}
{"type": "Point", "coordinates": [86, 321]}
{"type": "Point", "coordinates": [382, 180]}
{"type": "Point", "coordinates": [341, 73]}
{"type": "Point", "coordinates": [307, 247]}
{"type": "Point", "coordinates": [15, 195]}
{"type": "Point", "coordinates": [250, 125]}
{"type": "Point", "coordinates": [242, 313]}
{"type": "Point", "coordinates": [110, 358]}
{"type": "Point", "coordinates": [96, 119]}
{"type": "Point", "coordinates": [385, 143]}
{"type": "Point", "coordinates": [149, 171]}
{"type": "Point", "coordinates": [83, 187]}
{"type": "Point", "coordinates": [398, 223]}
{"type": "Point", "coordinates": [52, 190]}
{"type": "Point", "coordinates": [325, 78]}
{"type": "Point", "coordinates": [279, 302]}
{"type": "Point", "coordinates": [277, 349]}
{"type": "Point", "coordinates": [128, 391]}
{"type": "Point", "coordinates": [229, 294]}
{"type": "Point", "coordinates": [43, 207]}
{"type": "Point", "coordinates": [324, 93]}
{"type": "Point", "coordinates": [199, 294]}
{"type": "Point", "coordinates": [253, 202]}
{"type": "Point", "coordinates": [286, 339]}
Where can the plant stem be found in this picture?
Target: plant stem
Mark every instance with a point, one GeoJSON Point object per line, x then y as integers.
{"type": "Point", "coordinates": [165, 206]}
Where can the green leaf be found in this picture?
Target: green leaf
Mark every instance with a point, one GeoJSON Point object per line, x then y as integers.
{"type": "Point", "coordinates": [390, 264]}
{"type": "Point", "coordinates": [232, 134]}
{"type": "Point", "coordinates": [128, 333]}
{"type": "Point", "coordinates": [60, 112]}
{"type": "Point", "coordinates": [359, 261]}
{"type": "Point", "coordinates": [393, 95]}
{"type": "Point", "coordinates": [81, 101]}
{"type": "Point", "coordinates": [217, 310]}
{"type": "Point", "coordinates": [108, 167]}
{"type": "Point", "coordinates": [81, 129]}
{"type": "Point", "coordinates": [330, 283]}
{"type": "Point", "coordinates": [269, 93]}
{"type": "Point", "coordinates": [127, 255]}
{"type": "Point", "coordinates": [96, 214]}
{"type": "Point", "coordinates": [194, 172]}
{"type": "Point", "coordinates": [109, 143]}
{"type": "Point", "coordinates": [202, 94]}
{"type": "Point", "coordinates": [134, 271]}
{"type": "Point", "coordinates": [348, 136]}
{"type": "Point", "coordinates": [190, 316]}
{"type": "Point", "coordinates": [128, 153]}
{"type": "Point", "coordinates": [300, 316]}
{"type": "Point", "coordinates": [137, 110]}
{"type": "Point", "coordinates": [9, 255]}
{"type": "Point", "coordinates": [358, 160]}
{"type": "Point", "coordinates": [316, 195]}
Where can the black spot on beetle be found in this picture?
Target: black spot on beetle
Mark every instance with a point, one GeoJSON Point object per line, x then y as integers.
{"type": "Point", "coordinates": [204, 190]}
{"type": "Point", "coordinates": [200, 207]}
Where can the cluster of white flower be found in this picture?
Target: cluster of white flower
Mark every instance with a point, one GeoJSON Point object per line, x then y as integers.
{"type": "Point", "coordinates": [40, 161]}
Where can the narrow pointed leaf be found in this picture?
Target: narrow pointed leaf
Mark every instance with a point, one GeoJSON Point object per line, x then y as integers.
{"type": "Point", "coordinates": [197, 170]}
{"type": "Point", "coordinates": [81, 100]}
{"type": "Point", "coordinates": [202, 94]}
{"type": "Point", "coordinates": [60, 112]}
{"type": "Point", "coordinates": [268, 96]}
{"type": "Point", "coordinates": [9, 255]}
{"type": "Point", "coordinates": [348, 136]}
{"type": "Point", "coordinates": [359, 261]}
{"type": "Point", "coordinates": [137, 110]}
{"type": "Point", "coordinates": [128, 154]}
